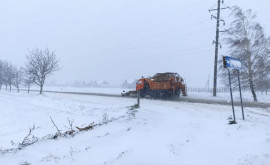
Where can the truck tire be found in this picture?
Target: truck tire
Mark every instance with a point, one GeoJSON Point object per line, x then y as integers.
{"type": "Point", "coordinates": [169, 94]}
{"type": "Point", "coordinates": [177, 93]}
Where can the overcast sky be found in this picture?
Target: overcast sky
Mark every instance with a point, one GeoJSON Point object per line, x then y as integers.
{"type": "Point", "coordinates": [115, 40]}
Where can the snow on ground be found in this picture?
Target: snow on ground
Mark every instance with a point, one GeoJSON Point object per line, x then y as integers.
{"type": "Point", "coordinates": [162, 132]}
{"type": "Point", "coordinates": [246, 96]}
{"type": "Point", "coordinates": [23, 111]}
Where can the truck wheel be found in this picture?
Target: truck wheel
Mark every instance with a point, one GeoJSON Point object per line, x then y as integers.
{"type": "Point", "coordinates": [154, 94]}
{"type": "Point", "coordinates": [168, 94]}
{"type": "Point", "coordinates": [177, 93]}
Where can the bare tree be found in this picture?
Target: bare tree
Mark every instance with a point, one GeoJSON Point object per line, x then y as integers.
{"type": "Point", "coordinates": [247, 41]}
{"type": "Point", "coordinates": [29, 80]}
{"type": "Point", "coordinates": [1, 74]}
{"type": "Point", "coordinates": [264, 84]}
{"type": "Point", "coordinates": [18, 78]}
{"type": "Point", "coordinates": [9, 74]}
{"type": "Point", "coordinates": [41, 64]}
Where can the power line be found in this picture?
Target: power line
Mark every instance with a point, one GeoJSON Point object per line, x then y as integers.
{"type": "Point", "coordinates": [136, 31]}
{"type": "Point", "coordinates": [189, 50]}
{"type": "Point", "coordinates": [154, 57]}
{"type": "Point", "coordinates": [161, 41]}
{"type": "Point", "coordinates": [134, 28]}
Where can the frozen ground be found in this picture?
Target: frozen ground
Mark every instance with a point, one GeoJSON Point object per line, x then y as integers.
{"type": "Point", "coordinates": [162, 132]}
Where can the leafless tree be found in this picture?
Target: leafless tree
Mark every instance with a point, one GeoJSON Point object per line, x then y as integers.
{"type": "Point", "coordinates": [18, 78]}
{"type": "Point", "coordinates": [4, 73]}
{"type": "Point", "coordinates": [264, 84]}
{"type": "Point", "coordinates": [41, 64]}
{"type": "Point", "coordinates": [248, 42]}
{"type": "Point", "coordinates": [1, 74]}
{"type": "Point", "coordinates": [9, 74]}
{"type": "Point", "coordinates": [29, 80]}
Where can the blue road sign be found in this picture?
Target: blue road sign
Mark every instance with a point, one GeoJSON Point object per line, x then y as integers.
{"type": "Point", "coordinates": [233, 63]}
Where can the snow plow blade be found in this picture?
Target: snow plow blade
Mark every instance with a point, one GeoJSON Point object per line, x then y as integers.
{"type": "Point", "coordinates": [129, 93]}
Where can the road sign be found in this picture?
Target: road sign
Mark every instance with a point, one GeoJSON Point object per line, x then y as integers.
{"type": "Point", "coordinates": [232, 63]}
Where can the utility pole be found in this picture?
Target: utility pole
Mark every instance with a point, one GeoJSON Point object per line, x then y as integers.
{"type": "Point", "coordinates": [217, 42]}
{"type": "Point", "coordinates": [216, 51]}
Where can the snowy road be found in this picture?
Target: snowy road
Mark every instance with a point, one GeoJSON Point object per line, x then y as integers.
{"type": "Point", "coordinates": [181, 99]}
{"type": "Point", "coordinates": [162, 132]}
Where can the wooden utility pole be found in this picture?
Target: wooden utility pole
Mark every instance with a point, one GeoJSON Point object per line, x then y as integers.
{"type": "Point", "coordinates": [217, 41]}
{"type": "Point", "coordinates": [216, 51]}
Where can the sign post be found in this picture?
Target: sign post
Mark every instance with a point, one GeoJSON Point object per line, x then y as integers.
{"type": "Point", "coordinates": [233, 63]}
{"type": "Point", "coordinates": [243, 116]}
{"type": "Point", "coordinates": [138, 98]}
{"type": "Point", "coordinates": [231, 97]}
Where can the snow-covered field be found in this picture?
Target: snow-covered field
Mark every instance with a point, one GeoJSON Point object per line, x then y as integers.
{"type": "Point", "coordinates": [162, 132]}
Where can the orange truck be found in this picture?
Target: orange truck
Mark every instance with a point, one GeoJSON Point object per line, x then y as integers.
{"type": "Point", "coordinates": [161, 85]}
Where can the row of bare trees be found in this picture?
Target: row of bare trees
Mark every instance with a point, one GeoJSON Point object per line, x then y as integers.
{"type": "Point", "coordinates": [10, 75]}
{"type": "Point", "coordinates": [40, 64]}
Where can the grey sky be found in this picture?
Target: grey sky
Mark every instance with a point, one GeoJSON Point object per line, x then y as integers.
{"type": "Point", "coordinates": [115, 40]}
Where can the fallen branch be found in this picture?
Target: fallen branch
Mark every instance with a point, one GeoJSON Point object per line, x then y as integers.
{"type": "Point", "coordinates": [58, 131]}
{"type": "Point", "coordinates": [28, 141]}
{"type": "Point", "coordinates": [71, 130]}
{"type": "Point", "coordinates": [89, 127]}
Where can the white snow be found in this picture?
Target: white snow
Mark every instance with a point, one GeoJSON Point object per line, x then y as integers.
{"type": "Point", "coordinates": [162, 132]}
{"type": "Point", "coordinates": [246, 96]}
